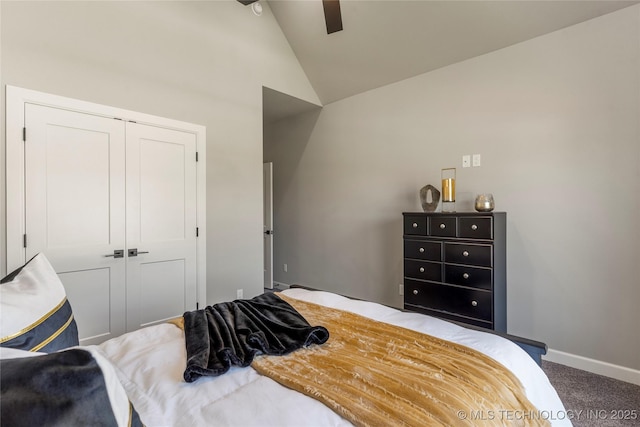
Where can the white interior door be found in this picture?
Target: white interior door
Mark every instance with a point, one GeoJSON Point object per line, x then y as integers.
{"type": "Point", "coordinates": [74, 211]}
{"type": "Point", "coordinates": [267, 182]}
{"type": "Point", "coordinates": [161, 224]}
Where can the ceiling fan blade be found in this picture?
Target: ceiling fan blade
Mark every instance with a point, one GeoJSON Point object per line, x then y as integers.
{"type": "Point", "coordinates": [332, 15]}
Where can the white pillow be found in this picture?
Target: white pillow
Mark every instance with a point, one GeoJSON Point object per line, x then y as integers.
{"type": "Point", "coordinates": [35, 314]}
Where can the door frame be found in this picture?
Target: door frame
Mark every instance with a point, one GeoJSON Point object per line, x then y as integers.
{"type": "Point", "coordinates": [16, 98]}
{"type": "Point", "coordinates": [267, 219]}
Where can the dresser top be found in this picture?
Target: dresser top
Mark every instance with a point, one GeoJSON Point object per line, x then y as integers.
{"type": "Point", "coordinates": [494, 213]}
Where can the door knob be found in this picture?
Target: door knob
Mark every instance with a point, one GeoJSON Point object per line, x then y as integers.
{"type": "Point", "coordinates": [135, 252]}
{"type": "Point", "coordinates": [117, 253]}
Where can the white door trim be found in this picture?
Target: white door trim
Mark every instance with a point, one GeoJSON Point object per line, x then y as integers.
{"type": "Point", "coordinates": [16, 98]}
{"type": "Point", "coordinates": [267, 214]}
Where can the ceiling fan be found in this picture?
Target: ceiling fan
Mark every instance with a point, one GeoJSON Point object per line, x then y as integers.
{"type": "Point", "coordinates": [332, 14]}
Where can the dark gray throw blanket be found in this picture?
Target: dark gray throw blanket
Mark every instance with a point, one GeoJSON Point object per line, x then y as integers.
{"type": "Point", "coordinates": [233, 333]}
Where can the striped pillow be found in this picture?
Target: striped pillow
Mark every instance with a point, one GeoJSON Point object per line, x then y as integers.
{"type": "Point", "coordinates": [35, 314]}
{"type": "Point", "coordinates": [75, 387]}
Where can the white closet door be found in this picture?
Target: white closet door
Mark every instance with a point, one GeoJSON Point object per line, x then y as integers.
{"type": "Point", "coordinates": [161, 224]}
{"type": "Point", "coordinates": [75, 211]}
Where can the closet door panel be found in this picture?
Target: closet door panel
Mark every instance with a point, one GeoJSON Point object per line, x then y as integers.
{"type": "Point", "coordinates": [74, 197]}
{"type": "Point", "coordinates": [162, 191]}
{"type": "Point", "coordinates": [87, 291]}
{"type": "Point", "coordinates": [164, 283]}
{"type": "Point", "coordinates": [77, 191]}
{"type": "Point", "coordinates": [161, 224]}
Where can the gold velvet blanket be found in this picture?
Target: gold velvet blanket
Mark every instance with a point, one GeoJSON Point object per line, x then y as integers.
{"type": "Point", "coordinates": [376, 374]}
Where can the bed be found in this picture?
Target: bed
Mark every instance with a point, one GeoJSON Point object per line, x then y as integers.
{"type": "Point", "coordinates": [147, 368]}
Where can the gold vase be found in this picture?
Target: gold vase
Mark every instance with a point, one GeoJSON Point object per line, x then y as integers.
{"type": "Point", "coordinates": [448, 190]}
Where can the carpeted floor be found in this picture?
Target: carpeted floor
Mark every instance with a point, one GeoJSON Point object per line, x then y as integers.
{"type": "Point", "coordinates": [594, 400]}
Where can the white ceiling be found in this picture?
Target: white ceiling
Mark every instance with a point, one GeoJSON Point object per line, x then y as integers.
{"type": "Point", "coordinates": [385, 41]}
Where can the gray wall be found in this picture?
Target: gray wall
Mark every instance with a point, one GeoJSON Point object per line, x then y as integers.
{"type": "Point", "coordinates": [556, 120]}
{"type": "Point", "coordinates": [200, 62]}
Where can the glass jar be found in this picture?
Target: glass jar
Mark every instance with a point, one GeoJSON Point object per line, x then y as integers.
{"type": "Point", "coordinates": [484, 202]}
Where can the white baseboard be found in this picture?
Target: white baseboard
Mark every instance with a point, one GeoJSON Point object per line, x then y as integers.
{"type": "Point", "coordinates": [595, 366]}
{"type": "Point", "coordinates": [280, 286]}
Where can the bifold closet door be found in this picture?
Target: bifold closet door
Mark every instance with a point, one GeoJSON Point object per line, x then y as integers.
{"type": "Point", "coordinates": [75, 211]}
{"type": "Point", "coordinates": [161, 224]}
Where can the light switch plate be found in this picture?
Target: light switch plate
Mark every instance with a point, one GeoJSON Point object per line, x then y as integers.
{"type": "Point", "coordinates": [476, 160]}
{"type": "Point", "coordinates": [466, 161]}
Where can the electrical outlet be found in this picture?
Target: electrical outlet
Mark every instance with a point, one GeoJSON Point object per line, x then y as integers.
{"type": "Point", "coordinates": [240, 294]}
{"type": "Point", "coordinates": [285, 268]}
{"type": "Point", "coordinates": [401, 289]}
{"type": "Point", "coordinates": [466, 161]}
{"type": "Point", "coordinates": [476, 160]}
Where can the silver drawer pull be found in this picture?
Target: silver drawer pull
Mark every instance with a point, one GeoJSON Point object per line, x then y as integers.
{"type": "Point", "coordinates": [442, 226]}
{"type": "Point", "coordinates": [465, 275]}
{"type": "Point", "coordinates": [421, 269]}
{"type": "Point", "coordinates": [474, 227]}
{"type": "Point", "coordinates": [465, 253]}
{"type": "Point", "coordinates": [474, 303]}
{"type": "Point", "coordinates": [415, 292]}
{"type": "Point", "coordinates": [415, 225]}
{"type": "Point", "coordinates": [421, 250]}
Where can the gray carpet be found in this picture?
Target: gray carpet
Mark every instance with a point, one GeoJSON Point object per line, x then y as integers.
{"type": "Point", "coordinates": [595, 400]}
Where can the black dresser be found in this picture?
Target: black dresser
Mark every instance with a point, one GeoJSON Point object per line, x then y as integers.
{"type": "Point", "coordinates": [455, 266]}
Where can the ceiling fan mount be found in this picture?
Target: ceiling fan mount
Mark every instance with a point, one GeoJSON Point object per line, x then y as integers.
{"type": "Point", "coordinates": [332, 14]}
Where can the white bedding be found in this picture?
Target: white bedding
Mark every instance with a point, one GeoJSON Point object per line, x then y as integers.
{"type": "Point", "coordinates": [150, 363]}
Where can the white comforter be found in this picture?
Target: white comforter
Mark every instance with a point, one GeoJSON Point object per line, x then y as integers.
{"type": "Point", "coordinates": [150, 363]}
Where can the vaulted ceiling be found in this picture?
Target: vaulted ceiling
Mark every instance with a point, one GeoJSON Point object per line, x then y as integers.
{"type": "Point", "coordinates": [385, 41]}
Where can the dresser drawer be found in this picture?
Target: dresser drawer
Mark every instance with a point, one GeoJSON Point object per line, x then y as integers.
{"type": "Point", "coordinates": [462, 275]}
{"type": "Point", "coordinates": [451, 299]}
{"type": "Point", "coordinates": [423, 270]}
{"type": "Point", "coordinates": [442, 226]}
{"type": "Point", "coordinates": [469, 254]}
{"type": "Point", "coordinates": [415, 225]}
{"type": "Point", "coordinates": [476, 227]}
{"type": "Point", "coordinates": [420, 249]}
